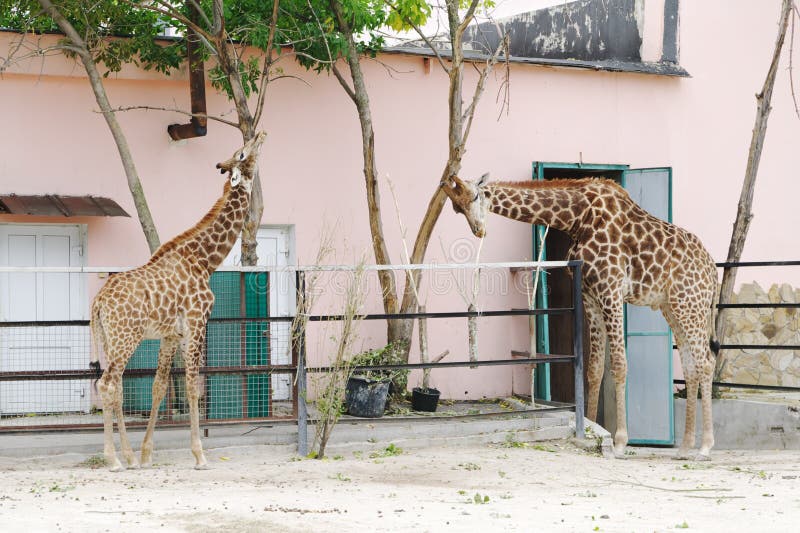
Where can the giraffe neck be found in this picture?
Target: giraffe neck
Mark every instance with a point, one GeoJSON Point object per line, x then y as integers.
{"type": "Point", "coordinates": [560, 206]}
{"type": "Point", "coordinates": [209, 241]}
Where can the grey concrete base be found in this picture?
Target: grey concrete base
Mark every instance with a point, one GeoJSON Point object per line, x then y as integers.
{"type": "Point", "coordinates": [597, 439]}
{"type": "Point", "coordinates": [745, 424]}
{"type": "Point", "coordinates": [348, 435]}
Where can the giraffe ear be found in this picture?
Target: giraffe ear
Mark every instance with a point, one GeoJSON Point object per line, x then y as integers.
{"type": "Point", "coordinates": [483, 179]}
{"type": "Point", "coordinates": [236, 176]}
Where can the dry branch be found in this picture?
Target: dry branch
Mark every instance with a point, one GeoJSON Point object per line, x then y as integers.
{"type": "Point", "coordinates": [744, 213]}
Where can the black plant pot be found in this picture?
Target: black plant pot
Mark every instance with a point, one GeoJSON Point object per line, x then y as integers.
{"type": "Point", "coordinates": [366, 397]}
{"type": "Point", "coordinates": [424, 399]}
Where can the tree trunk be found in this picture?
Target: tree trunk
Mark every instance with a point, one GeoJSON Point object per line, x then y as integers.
{"type": "Point", "coordinates": [452, 167]}
{"type": "Point", "coordinates": [744, 214]}
{"type": "Point", "coordinates": [230, 65]}
{"type": "Point", "coordinates": [360, 98]}
{"type": "Point", "coordinates": [96, 81]}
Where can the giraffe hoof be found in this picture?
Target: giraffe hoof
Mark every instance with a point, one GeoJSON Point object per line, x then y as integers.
{"type": "Point", "coordinates": [116, 467]}
{"type": "Point", "coordinates": [202, 467]}
{"type": "Point", "coordinates": [682, 455]}
{"type": "Point", "coordinates": [134, 466]}
{"type": "Point", "coordinates": [702, 457]}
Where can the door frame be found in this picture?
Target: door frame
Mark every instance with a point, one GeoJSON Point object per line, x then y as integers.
{"type": "Point", "coordinates": [542, 385]}
{"type": "Point", "coordinates": [619, 171]}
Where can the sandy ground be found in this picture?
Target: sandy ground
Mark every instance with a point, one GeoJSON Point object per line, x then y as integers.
{"type": "Point", "coordinates": [548, 486]}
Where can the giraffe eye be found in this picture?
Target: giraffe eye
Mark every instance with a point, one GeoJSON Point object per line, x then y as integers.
{"type": "Point", "coordinates": [241, 156]}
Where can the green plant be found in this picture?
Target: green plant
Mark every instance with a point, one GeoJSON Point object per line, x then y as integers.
{"type": "Point", "coordinates": [387, 355]}
{"type": "Point", "coordinates": [390, 451]}
{"type": "Point", "coordinates": [94, 462]}
{"type": "Point", "coordinates": [512, 442]}
{"type": "Point", "coordinates": [480, 500]}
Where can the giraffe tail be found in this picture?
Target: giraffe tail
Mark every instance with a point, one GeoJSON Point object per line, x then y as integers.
{"type": "Point", "coordinates": [97, 342]}
{"type": "Point", "coordinates": [713, 342]}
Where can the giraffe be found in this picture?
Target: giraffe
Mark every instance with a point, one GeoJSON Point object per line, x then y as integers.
{"type": "Point", "coordinates": [628, 256]}
{"type": "Point", "coordinates": [168, 298]}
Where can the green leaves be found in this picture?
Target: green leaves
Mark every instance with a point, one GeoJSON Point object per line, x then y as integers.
{"type": "Point", "coordinates": [408, 13]}
{"type": "Point", "coordinates": [115, 32]}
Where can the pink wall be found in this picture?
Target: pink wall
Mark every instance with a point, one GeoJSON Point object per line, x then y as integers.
{"type": "Point", "coordinates": [52, 141]}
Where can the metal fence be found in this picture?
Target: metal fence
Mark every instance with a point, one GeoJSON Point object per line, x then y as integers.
{"type": "Point", "coordinates": [754, 305]}
{"type": "Point", "coordinates": [575, 358]}
{"type": "Point", "coordinates": [46, 382]}
{"type": "Point", "coordinates": [255, 368]}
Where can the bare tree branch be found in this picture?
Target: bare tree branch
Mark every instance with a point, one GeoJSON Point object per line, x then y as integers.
{"type": "Point", "coordinates": [469, 114]}
{"type": "Point", "coordinates": [344, 83]}
{"type": "Point", "coordinates": [267, 63]}
{"type": "Point", "coordinates": [744, 214]}
{"type": "Point", "coordinates": [468, 16]}
{"type": "Point", "coordinates": [795, 15]}
{"type": "Point", "coordinates": [200, 11]}
{"type": "Point", "coordinates": [172, 110]}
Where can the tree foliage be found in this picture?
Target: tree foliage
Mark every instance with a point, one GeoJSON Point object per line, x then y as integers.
{"type": "Point", "coordinates": [115, 32]}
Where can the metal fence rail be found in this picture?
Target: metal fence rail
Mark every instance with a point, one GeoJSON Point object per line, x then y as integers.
{"type": "Point", "coordinates": [779, 347]}
{"type": "Point", "coordinates": [46, 382]}
{"type": "Point", "coordinates": [576, 357]}
{"type": "Point", "coordinates": [240, 372]}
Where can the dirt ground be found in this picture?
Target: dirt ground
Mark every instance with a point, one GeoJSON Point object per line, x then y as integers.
{"type": "Point", "coordinates": [548, 486]}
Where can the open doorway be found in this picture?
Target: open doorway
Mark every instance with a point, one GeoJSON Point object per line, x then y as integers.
{"type": "Point", "coordinates": [647, 336]}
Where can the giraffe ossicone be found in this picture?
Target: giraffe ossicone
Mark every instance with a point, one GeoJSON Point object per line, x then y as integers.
{"type": "Point", "coordinates": [629, 256]}
{"type": "Point", "coordinates": [168, 298]}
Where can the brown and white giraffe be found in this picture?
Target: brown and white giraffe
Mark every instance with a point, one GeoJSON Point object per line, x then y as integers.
{"type": "Point", "coordinates": [629, 256]}
{"type": "Point", "coordinates": [168, 298]}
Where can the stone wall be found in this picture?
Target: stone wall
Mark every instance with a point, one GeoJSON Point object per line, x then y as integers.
{"type": "Point", "coordinates": [763, 326]}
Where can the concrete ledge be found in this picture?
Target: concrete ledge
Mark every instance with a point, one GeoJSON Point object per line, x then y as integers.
{"type": "Point", "coordinates": [348, 434]}
{"type": "Point", "coordinates": [597, 439]}
{"type": "Point", "coordinates": [746, 424]}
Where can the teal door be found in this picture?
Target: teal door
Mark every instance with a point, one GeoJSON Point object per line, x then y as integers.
{"type": "Point", "coordinates": [229, 342]}
{"type": "Point", "coordinates": [648, 338]}
{"type": "Point", "coordinates": [232, 342]}
{"type": "Point", "coordinates": [541, 171]}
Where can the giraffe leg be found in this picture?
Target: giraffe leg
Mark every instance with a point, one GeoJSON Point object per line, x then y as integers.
{"type": "Point", "coordinates": [597, 353]}
{"type": "Point", "coordinates": [107, 392]}
{"type": "Point", "coordinates": [698, 367]}
{"type": "Point", "coordinates": [124, 442]}
{"type": "Point", "coordinates": [684, 452]}
{"type": "Point", "coordinates": [613, 315]}
{"type": "Point", "coordinates": [193, 357]}
{"type": "Point", "coordinates": [708, 422]}
{"type": "Point", "coordinates": [160, 383]}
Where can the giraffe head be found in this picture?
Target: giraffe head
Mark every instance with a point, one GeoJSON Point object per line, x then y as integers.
{"type": "Point", "coordinates": [469, 198]}
{"type": "Point", "coordinates": [241, 166]}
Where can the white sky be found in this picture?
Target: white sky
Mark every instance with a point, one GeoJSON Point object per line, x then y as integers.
{"type": "Point", "coordinates": [502, 9]}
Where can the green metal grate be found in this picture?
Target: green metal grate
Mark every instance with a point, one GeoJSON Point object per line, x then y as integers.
{"type": "Point", "coordinates": [228, 344]}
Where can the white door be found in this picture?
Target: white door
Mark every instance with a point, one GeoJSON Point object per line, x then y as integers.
{"type": "Point", "coordinates": [29, 296]}
{"type": "Point", "coordinates": [274, 249]}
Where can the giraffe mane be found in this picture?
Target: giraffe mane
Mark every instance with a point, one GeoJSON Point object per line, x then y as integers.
{"type": "Point", "coordinates": [559, 183]}
{"type": "Point", "coordinates": [197, 228]}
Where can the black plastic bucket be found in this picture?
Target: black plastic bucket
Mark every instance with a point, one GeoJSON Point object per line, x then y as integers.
{"type": "Point", "coordinates": [366, 397]}
{"type": "Point", "coordinates": [424, 400]}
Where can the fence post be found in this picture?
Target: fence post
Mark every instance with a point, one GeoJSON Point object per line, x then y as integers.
{"type": "Point", "coordinates": [300, 346]}
{"type": "Point", "coordinates": [577, 346]}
